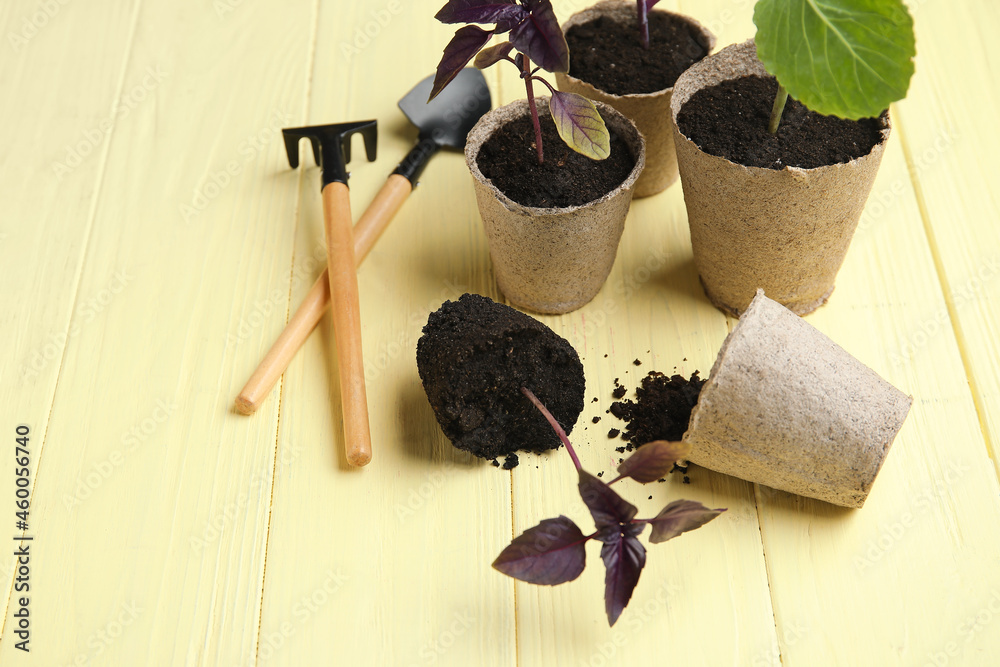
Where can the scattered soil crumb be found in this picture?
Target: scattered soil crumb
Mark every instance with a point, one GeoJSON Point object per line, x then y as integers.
{"type": "Point", "coordinates": [661, 410]}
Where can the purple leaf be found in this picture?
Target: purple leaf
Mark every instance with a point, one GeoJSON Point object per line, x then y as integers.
{"type": "Point", "coordinates": [540, 38]}
{"type": "Point", "coordinates": [580, 125]}
{"type": "Point", "coordinates": [550, 553]}
{"type": "Point", "coordinates": [505, 13]}
{"type": "Point", "coordinates": [624, 557]}
{"type": "Point", "coordinates": [492, 55]}
{"type": "Point", "coordinates": [679, 517]}
{"type": "Point", "coordinates": [649, 3]}
{"type": "Point", "coordinates": [460, 50]}
{"type": "Point", "coordinates": [653, 460]}
{"type": "Point", "coordinates": [607, 507]}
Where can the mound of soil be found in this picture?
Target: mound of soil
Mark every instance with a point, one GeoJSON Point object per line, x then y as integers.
{"type": "Point", "coordinates": [473, 358]}
{"type": "Point", "coordinates": [662, 408]}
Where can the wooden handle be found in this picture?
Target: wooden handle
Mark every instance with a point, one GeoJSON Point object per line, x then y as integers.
{"type": "Point", "coordinates": [379, 214]}
{"type": "Point", "coordinates": [302, 322]}
{"type": "Point", "coordinates": [366, 232]}
{"type": "Point", "coordinates": [347, 321]}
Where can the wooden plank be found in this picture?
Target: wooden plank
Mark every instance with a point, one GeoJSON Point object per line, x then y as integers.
{"type": "Point", "coordinates": [411, 536]}
{"type": "Point", "coordinates": [948, 131]}
{"type": "Point", "coordinates": [171, 530]}
{"type": "Point", "coordinates": [652, 309]}
{"type": "Point", "coordinates": [63, 104]}
{"type": "Point", "coordinates": [152, 500]}
{"type": "Point", "coordinates": [924, 540]}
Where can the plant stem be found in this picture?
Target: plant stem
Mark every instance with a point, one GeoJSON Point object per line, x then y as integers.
{"type": "Point", "coordinates": [777, 109]}
{"type": "Point", "coordinates": [548, 85]}
{"type": "Point", "coordinates": [643, 23]}
{"type": "Point", "coordinates": [554, 424]}
{"type": "Point", "coordinates": [534, 111]}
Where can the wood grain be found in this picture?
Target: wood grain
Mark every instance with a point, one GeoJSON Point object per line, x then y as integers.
{"type": "Point", "coordinates": [152, 507]}
{"type": "Point", "coordinates": [414, 532]}
{"type": "Point", "coordinates": [142, 286]}
{"type": "Point", "coordinates": [949, 135]}
{"type": "Point", "coordinates": [65, 103]}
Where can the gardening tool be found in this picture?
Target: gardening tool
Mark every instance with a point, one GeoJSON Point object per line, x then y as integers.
{"type": "Point", "coordinates": [332, 149]}
{"type": "Point", "coordinates": [444, 123]}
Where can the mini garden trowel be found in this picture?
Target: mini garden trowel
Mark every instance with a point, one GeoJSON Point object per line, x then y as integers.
{"type": "Point", "coordinates": [444, 122]}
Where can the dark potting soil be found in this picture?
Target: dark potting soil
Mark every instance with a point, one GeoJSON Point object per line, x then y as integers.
{"type": "Point", "coordinates": [730, 120]}
{"type": "Point", "coordinates": [661, 410]}
{"type": "Point", "coordinates": [608, 55]}
{"type": "Point", "coordinates": [473, 358]}
{"type": "Point", "coordinates": [566, 178]}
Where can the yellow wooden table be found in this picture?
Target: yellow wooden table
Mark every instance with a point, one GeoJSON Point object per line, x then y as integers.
{"type": "Point", "coordinates": [154, 240]}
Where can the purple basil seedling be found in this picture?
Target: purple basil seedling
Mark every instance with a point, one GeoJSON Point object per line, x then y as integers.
{"type": "Point", "coordinates": [644, 6]}
{"type": "Point", "coordinates": [553, 551]}
{"type": "Point", "coordinates": [536, 37]}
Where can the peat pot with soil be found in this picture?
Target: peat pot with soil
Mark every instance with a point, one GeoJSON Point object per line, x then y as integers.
{"type": "Point", "coordinates": [627, 55]}
{"type": "Point", "coordinates": [778, 143]}
{"type": "Point", "coordinates": [554, 176]}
